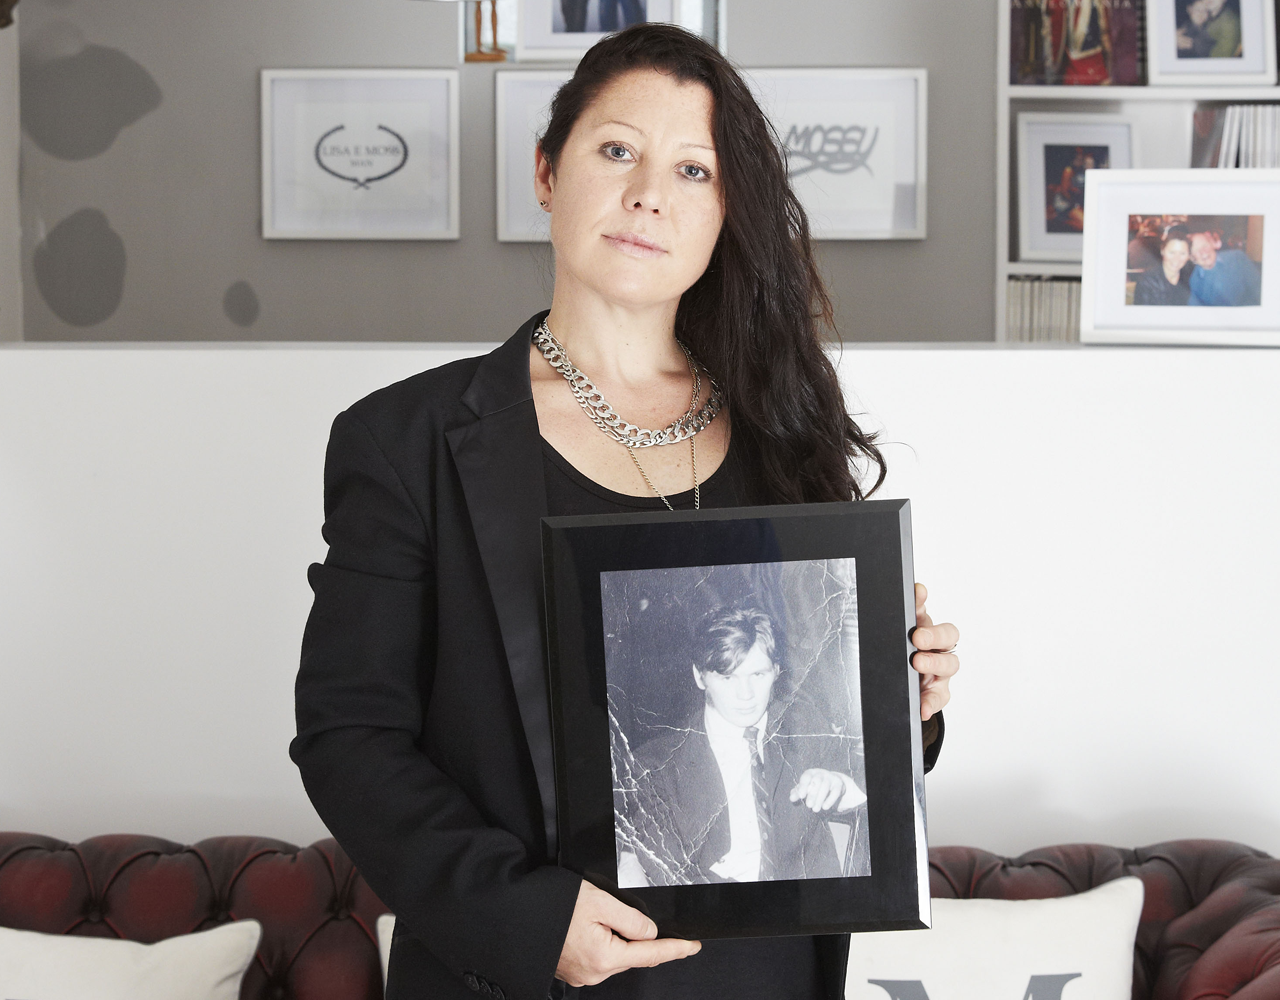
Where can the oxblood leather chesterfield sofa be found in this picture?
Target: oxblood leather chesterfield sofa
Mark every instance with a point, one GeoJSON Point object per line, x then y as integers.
{"type": "Point", "coordinates": [1210, 924]}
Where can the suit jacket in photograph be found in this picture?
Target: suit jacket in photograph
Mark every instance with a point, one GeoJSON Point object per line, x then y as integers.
{"type": "Point", "coordinates": [681, 804]}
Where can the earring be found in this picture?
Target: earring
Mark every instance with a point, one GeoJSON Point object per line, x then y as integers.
{"type": "Point", "coordinates": [543, 204]}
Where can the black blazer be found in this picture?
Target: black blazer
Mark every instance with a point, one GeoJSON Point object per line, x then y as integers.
{"type": "Point", "coordinates": [423, 727]}
{"type": "Point", "coordinates": [683, 786]}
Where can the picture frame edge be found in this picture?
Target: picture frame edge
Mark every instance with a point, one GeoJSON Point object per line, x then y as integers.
{"type": "Point", "coordinates": [1025, 119]}
{"type": "Point", "coordinates": [500, 149]}
{"type": "Point", "coordinates": [900, 509]}
{"type": "Point", "coordinates": [505, 231]}
{"type": "Point", "coordinates": [452, 76]}
{"type": "Point", "coordinates": [1024, 190]}
{"type": "Point", "coordinates": [267, 152]}
{"type": "Point", "coordinates": [1265, 78]}
{"type": "Point", "coordinates": [1090, 333]}
{"type": "Point", "coordinates": [920, 74]}
{"type": "Point", "coordinates": [455, 154]}
{"type": "Point", "coordinates": [922, 155]}
{"type": "Point", "coordinates": [536, 54]}
{"type": "Point", "coordinates": [1088, 266]}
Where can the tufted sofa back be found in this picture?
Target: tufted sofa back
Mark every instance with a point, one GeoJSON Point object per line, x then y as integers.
{"type": "Point", "coordinates": [1210, 924]}
{"type": "Point", "coordinates": [317, 913]}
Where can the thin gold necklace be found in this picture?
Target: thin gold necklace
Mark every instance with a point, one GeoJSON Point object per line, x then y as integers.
{"type": "Point", "coordinates": [594, 404]}
{"type": "Point", "coordinates": [697, 490]}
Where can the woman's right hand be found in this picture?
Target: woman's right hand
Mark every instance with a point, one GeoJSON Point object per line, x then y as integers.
{"type": "Point", "coordinates": [607, 936]}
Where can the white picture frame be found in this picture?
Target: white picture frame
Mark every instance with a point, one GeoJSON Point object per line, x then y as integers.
{"type": "Point", "coordinates": [541, 33]}
{"type": "Point", "coordinates": [1108, 314]}
{"type": "Point", "coordinates": [522, 100]}
{"type": "Point", "coordinates": [1169, 64]}
{"type": "Point", "coordinates": [853, 187]}
{"type": "Point", "coordinates": [360, 154]}
{"type": "Point", "coordinates": [1044, 139]}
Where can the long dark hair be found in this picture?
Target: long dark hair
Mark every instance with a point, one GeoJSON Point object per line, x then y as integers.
{"type": "Point", "coordinates": [758, 316]}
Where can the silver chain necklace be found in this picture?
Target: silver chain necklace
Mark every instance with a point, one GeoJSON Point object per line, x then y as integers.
{"type": "Point", "coordinates": [604, 416]}
{"type": "Point", "coordinates": [632, 436]}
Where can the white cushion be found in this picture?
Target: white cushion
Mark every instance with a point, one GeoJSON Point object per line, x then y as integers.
{"type": "Point", "coordinates": [386, 927]}
{"type": "Point", "coordinates": [1080, 947]}
{"type": "Point", "coordinates": [207, 965]}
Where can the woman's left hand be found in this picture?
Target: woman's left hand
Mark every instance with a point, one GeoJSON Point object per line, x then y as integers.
{"type": "Point", "coordinates": [933, 658]}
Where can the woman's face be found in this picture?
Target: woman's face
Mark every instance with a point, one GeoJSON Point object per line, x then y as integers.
{"type": "Point", "coordinates": [1175, 254]}
{"type": "Point", "coordinates": [635, 200]}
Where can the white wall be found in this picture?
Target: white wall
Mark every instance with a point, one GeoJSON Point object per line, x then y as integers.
{"type": "Point", "coordinates": [1101, 524]}
{"type": "Point", "coordinates": [10, 134]}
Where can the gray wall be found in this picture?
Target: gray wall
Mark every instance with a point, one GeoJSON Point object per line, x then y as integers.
{"type": "Point", "coordinates": [141, 142]}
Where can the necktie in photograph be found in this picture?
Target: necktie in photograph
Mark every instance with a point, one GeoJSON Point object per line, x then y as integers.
{"type": "Point", "coordinates": [761, 792]}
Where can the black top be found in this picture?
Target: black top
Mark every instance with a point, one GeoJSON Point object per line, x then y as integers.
{"type": "Point", "coordinates": [1154, 289]}
{"type": "Point", "coordinates": [732, 484]}
{"type": "Point", "coordinates": [784, 968]}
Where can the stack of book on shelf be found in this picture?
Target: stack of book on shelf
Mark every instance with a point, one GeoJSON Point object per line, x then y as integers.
{"type": "Point", "coordinates": [1043, 310]}
{"type": "Point", "coordinates": [1237, 135]}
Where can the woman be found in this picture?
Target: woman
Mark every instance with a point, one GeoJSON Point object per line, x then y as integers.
{"type": "Point", "coordinates": [1065, 200]}
{"type": "Point", "coordinates": [1211, 30]}
{"type": "Point", "coordinates": [1086, 43]}
{"type": "Point", "coordinates": [423, 732]}
{"type": "Point", "coordinates": [1167, 285]}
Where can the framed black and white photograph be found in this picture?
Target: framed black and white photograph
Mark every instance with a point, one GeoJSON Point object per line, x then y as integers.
{"type": "Point", "coordinates": [1054, 151]}
{"type": "Point", "coordinates": [1182, 257]}
{"type": "Point", "coordinates": [855, 141]}
{"type": "Point", "coordinates": [736, 722]}
{"type": "Point", "coordinates": [523, 104]}
{"type": "Point", "coordinates": [564, 29]}
{"type": "Point", "coordinates": [360, 154]}
{"type": "Point", "coordinates": [1211, 42]}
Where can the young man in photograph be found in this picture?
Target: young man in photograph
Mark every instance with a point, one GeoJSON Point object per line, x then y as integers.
{"type": "Point", "coordinates": [742, 792]}
{"type": "Point", "coordinates": [1222, 277]}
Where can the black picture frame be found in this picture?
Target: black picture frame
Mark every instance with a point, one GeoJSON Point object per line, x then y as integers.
{"type": "Point", "coordinates": [876, 535]}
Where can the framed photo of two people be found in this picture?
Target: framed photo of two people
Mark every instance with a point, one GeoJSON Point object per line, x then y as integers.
{"type": "Point", "coordinates": [735, 719]}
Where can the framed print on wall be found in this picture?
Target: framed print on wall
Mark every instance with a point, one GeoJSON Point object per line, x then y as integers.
{"type": "Point", "coordinates": [1182, 257]}
{"type": "Point", "coordinates": [523, 103]}
{"type": "Point", "coordinates": [1211, 42]}
{"type": "Point", "coordinates": [735, 720]}
{"type": "Point", "coordinates": [564, 29]}
{"type": "Point", "coordinates": [360, 154]}
{"type": "Point", "coordinates": [1054, 151]}
{"type": "Point", "coordinates": [855, 146]}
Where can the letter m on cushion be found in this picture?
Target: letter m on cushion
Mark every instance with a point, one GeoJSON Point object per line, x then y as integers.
{"type": "Point", "coordinates": [1038, 987]}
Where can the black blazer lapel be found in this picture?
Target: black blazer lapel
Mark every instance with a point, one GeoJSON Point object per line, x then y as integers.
{"type": "Point", "coordinates": [499, 460]}
{"type": "Point", "coordinates": [698, 789]}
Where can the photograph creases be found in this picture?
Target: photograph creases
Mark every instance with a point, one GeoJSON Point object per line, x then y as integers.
{"type": "Point", "coordinates": [735, 723]}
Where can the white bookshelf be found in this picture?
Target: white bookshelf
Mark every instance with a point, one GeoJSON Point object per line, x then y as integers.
{"type": "Point", "coordinates": [1162, 121]}
{"type": "Point", "coordinates": [1044, 268]}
